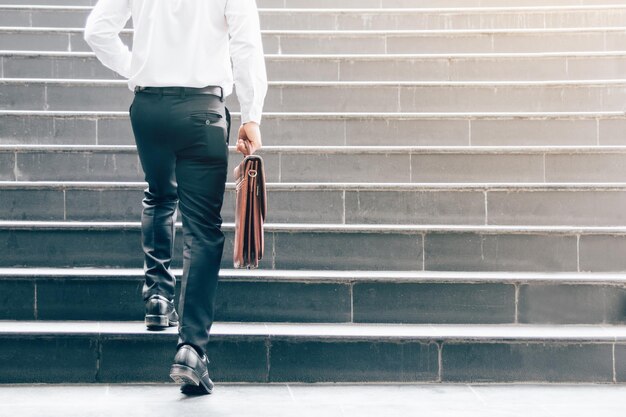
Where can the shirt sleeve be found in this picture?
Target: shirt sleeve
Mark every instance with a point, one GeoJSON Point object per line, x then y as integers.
{"type": "Point", "coordinates": [246, 51]}
{"type": "Point", "coordinates": [102, 29]}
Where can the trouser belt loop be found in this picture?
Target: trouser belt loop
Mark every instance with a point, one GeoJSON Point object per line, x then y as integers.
{"type": "Point", "coordinates": [182, 92]}
{"type": "Point", "coordinates": [221, 94]}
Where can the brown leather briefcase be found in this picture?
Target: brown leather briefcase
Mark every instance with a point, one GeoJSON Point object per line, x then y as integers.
{"type": "Point", "coordinates": [250, 208]}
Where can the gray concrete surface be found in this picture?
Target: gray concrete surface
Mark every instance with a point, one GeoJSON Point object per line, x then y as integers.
{"type": "Point", "coordinates": [315, 400]}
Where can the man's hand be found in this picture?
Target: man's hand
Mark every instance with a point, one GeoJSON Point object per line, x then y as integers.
{"type": "Point", "coordinates": [249, 138]}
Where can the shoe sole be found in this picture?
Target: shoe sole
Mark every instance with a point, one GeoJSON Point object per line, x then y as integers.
{"type": "Point", "coordinates": [190, 380]}
{"type": "Point", "coordinates": [159, 322]}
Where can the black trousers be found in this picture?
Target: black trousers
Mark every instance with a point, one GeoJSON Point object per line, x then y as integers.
{"type": "Point", "coordinates": [182, 141]}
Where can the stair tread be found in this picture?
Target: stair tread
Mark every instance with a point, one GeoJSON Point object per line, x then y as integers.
{"type": "Point", "coordinates": [447, 10]}
{"type": "Point", "coordinates": [365, 186]}
{"type": "Point", "coordinates": [524, 83]}
{"type": "Point", "coordinates": [357, 56]}
{"type": "Point", "coordinates": [334, 275]}
{"type": "Point", "coordinates": [366, 32]}
{"type": "Point", "coordinates": [343, 115]}
{"type": "Point", "coordinates": [329, 227]}
{"type": "Point", "coordinates": [385, 149]}
{"type": "Point", "coordinates": [346, 331]}
{"type": "Point", "coordinates": [377, 5]}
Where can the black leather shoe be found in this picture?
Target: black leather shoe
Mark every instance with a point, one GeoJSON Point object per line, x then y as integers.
{"type": "Point", "coordinates": [191, 370]}
{"type": "Point", "coordinates": [160, 313]}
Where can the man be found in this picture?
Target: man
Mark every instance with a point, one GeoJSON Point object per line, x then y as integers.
{"type": "Point", "coordinates": [180, 70]}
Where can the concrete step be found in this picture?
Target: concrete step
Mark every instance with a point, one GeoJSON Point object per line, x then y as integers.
{"type": "Point", "coordinates": [295, 96]}
{"type": "Point", "coordinates": [368, 19]}
{"type": "Point", "coordinates": [382, 164]}
{"type": "Point", "coordinates": [343, 203]}
{"type": "Point", "coordinates": [114, 352]}
{"type": "Point", "coordinates": [336, 129]}
{"type": "Point", "coordinates": [330, 296]}
{"type": "Point", "coordinates": [365, 42]}
{"type": "Point", "coordinates": [364, 3]}
{"type": "Point", "coordinates": [337, 247]}
{"type": "Point", "coordinates": [388, 67]}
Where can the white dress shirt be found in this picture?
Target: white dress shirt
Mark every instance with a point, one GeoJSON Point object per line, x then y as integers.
{"type": "Point", "coordinates": [187, 43]}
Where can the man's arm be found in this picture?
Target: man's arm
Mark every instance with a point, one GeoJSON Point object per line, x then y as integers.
{"type": "Point", "coordinates": [246, 51]}
{"type": "Point", "coordinates": [102, 29]}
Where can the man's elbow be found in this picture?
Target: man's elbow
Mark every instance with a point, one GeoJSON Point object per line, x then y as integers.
{"type": "Point", "coordinates": [89, 35]}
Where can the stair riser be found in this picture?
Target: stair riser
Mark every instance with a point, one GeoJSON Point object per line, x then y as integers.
{"type": "Point", "coordinates": [497, 131]}
{"type": "Point", "coordinates": [311, 301]}
{"type": "Point", "coordinates": [238, 301]}
{"type": "Point", "coordinates": [409, 20]}
{"type": "Point", "coordinates": [338, 167]}
{"type": "Point", "coordinates": [382, 69]}
{"type": "Point", "coordinates": [366, 43]}
{"type": "Point", "coordinates": [344, 98]}
{"type": "Point", "coordinates": [437, 251]}
{"type": "Point", "coordinates": [125, 358]}
{"type": "Point", "coordinates": [494, 207]}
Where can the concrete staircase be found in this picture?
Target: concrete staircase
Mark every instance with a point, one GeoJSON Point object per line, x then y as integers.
{"type": "Point", "coordinates": [446, 199]}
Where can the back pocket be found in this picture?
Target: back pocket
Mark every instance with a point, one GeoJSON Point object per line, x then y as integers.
{"type": "Point", "coordinates": [208, 118]}
{"type": "Point", "coordinates": [213, 120]}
